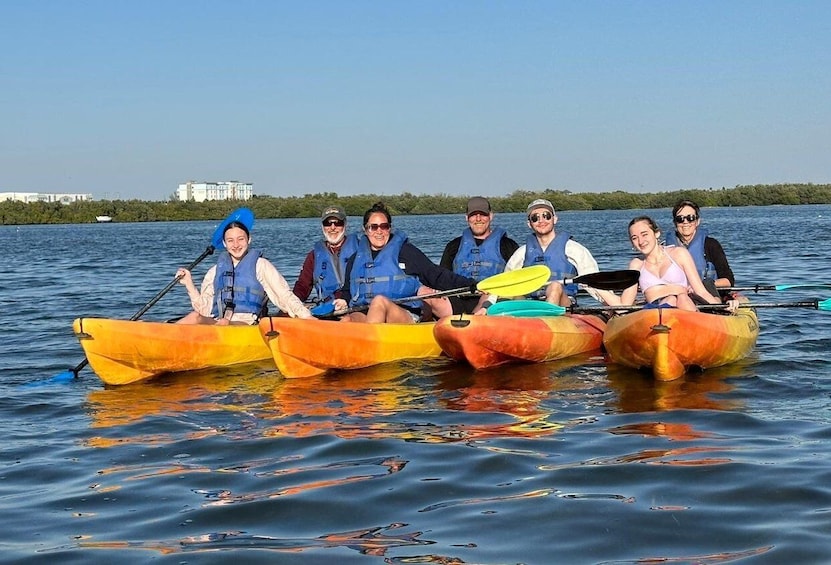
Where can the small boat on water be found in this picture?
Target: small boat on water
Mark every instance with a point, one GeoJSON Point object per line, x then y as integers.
{"type": "Point", "coordinates": [304, 348]}
{"type": "Point", "coordinates": [124, 351]}
{"type": "Point", "coordinates": [669, 342]}
{"type": "Point", "coordinates": [488, 341]}
{"type": "Point", "coordinates": [103, 219]}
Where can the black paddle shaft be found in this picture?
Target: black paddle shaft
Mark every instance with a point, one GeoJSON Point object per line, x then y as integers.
{"type": "Point", "coordinates": [208, 251]}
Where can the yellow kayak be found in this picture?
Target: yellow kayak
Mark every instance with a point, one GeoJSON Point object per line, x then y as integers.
{"type": "Point", "coordinates": [304, 348]}
{"type": "Point", "coordinates": [124, 351]}
{"type": "Point", "coordinates": [670, 342]}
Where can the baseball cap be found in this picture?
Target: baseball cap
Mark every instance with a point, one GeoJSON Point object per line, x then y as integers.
{"type": "Point", "coordinates": [478, 204]}
{"type": "Point", "coordinates": [540, 203]}
{"type": "Point", "coordinates": [333, 212]}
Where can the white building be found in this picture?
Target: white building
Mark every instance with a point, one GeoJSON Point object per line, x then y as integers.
{"type": "Point", "coordinates": [223, 190]}
{"type": "Point", "coordinates": [62, 197]}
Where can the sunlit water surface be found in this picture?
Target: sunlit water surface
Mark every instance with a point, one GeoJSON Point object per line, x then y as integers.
{"type": "Point", "coordinates": [575, 461]}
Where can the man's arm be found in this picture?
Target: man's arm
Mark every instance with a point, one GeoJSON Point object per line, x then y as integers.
{"type": "Point", "coordinates": [450, 251]}
{"type": "Point", "coordinates": [305, 280]}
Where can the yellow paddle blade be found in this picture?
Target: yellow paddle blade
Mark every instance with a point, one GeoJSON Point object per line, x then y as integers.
{"type": "Point", "coordinates": [516, 283]}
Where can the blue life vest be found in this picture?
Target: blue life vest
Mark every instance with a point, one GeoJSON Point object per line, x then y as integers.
{"type": "Point", "coordinates": [706, 270]}
{"type": "Point", "coordinates": [480, 261]}
{"type": "Point", "coordinates": [554, 257]}
{"type": "Point", "coordinates": [329, 269]}
{"type": "Point", "coordinates": [238, 285]}
{"type": "Point", "coordinates": [382, 274]}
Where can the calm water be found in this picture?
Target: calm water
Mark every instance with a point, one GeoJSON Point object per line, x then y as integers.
{"type": "Point", "coordinates": [569, 462]}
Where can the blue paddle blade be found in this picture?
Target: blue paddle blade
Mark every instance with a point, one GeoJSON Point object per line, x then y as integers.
{"type": "Point", "coordinates": [60, 378]}
{"type": "Point", "coordinates": [825, 305]}
{"type": "Point", "coordinates": [525, 309]}
{"type": "Point", "coordinates": [801, 285]}
{"type": "Point", "coordinates": [242, 215]}
{"type": "Point", "coordinates": [323, 309]}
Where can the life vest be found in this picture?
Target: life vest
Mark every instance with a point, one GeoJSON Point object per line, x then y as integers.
{"type": "Point", "coordinates": [554, 257]}
{"type": "Point", "coordinates": [480, 261]}
{"type": "Point", "coordinates": [329, 268]}
{"type": "Point", "coordinates": [238, 285]}
{"type": "Point", "coordinates": [382, 274]}
{"type": "Point", "coordinates": [706, 270]}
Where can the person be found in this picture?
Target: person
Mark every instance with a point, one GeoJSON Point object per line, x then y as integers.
{"type": "Point", "coordinates": [668, 274]}
{"type": "Point", "coordinates": [386, 268]}
{"type": "Point", "coordinates": [480, 252]}
{"type": "Point", "coordinates": [236, 290]}
{"type": "Point", "coordinates": [325, 264]}
{"type": "Point", "coordinates": [710, 259]}
{"type": "Point", "coordinates": [565, 257]}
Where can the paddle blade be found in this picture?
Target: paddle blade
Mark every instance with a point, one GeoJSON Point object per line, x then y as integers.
{"type": "Point", "coordinates": [825, 305]}
{"type": "Point", "coordinates": [323, 309]}
{"type": "Point", "coordinates": [516, 283]}
{"type": "Point", "coordinates": [242, 215]}
{"type": "Point", "coordinates": [609, 280]}
{"type": "Point", "coordinates": [525, 309]}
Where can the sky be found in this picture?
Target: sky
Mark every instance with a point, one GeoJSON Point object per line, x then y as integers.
{"type": "Point", "coordinates": [128, 99]}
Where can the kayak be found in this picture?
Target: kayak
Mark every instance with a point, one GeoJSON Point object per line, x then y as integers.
{"type": "Point", "coordinates": [488, 341]}
{"type": "Point", "coordinates": [671, 342]}
{"type": "Point", "coordinates": [309, 347]}
{"type": "Point", "coordinates": [124, 351]}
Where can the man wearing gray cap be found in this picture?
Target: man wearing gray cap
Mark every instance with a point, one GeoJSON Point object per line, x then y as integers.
{"type": "Point", "coordinates": [480, 252]}
{"type": "Point", "coordinates": [325, 264]}
{"type": "Point", "coordinates": [565, 257]}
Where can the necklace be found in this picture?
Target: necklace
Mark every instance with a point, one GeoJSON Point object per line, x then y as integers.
{"type": "Point", "coordinates": [658, 260]}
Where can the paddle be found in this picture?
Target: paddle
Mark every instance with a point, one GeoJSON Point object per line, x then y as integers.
{"type": "Point", "coordinates": [777, 287]}
{"type": "Point", "coordinates": [242, 215]}
{"type": "Point", "coordinates": [534, 308]}
{"type": "Point", "coordinates": [511, 283]}
{"type": "Point", "coordinates": [608, 280]}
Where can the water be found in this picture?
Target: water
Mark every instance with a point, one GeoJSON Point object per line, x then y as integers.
{"type": "Point", "coordinates": [575, 461]}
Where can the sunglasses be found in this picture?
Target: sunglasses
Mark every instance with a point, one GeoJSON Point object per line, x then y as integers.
{"type": "Point", "coordinates": [688, 218]}
{"type": "Point", "coordinates": [338, 223]}
{"type": "Point", "coordinates": [375, 227]}
{"type": "Point", "coordinates": [534, 218]}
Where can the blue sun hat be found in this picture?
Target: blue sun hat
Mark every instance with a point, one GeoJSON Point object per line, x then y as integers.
{"type": "Point", "coordinates": [242, 215]}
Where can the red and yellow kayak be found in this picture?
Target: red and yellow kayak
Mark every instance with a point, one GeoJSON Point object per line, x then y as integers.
{"type": "Point", "coordinates": [670, 341]}
{"type": "Point", "coordinates": [124, 351]}
{"type": "Point", "coordinates": [308, 347]}
{"type": "Point", "coordinates": [488, 341]}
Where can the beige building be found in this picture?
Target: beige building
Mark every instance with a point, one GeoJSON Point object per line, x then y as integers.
{"type": "Point", "coordinates": [223, 190]}
{"type": "Point", "coordinates": [62, 197]}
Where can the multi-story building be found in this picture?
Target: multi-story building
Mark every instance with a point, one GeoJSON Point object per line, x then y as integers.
{"type": "Point", "coordinates": [62, 197]}
{"type": "Point", "coordinates": [223, 190]}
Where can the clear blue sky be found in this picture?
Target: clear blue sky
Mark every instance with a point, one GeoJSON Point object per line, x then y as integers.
{"type": "Point", "coordinates": [128, 99]}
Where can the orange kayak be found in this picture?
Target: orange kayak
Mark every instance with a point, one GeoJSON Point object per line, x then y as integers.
{"type": "Point", "coordinates": [670, 341]}
{"type": "Point", "coordinates": [488, 341]}
{"type": "Point", "coordinates": [304, 348]}
{"type": "Point", "coordinates": [124, 351]}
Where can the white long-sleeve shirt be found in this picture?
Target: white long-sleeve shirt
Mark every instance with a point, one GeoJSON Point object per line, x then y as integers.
{"type": "Point", "coordinates": [576, 254]}
{"type": "Point", "coordinates": [275, 286]}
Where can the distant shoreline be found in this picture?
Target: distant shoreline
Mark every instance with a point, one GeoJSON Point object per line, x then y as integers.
{"type": "Point", "coordinates": [311, 205]}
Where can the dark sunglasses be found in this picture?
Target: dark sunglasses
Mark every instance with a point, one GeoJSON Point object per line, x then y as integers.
{"type": "Point", "coordinates": [534, 218]}
{"type": "Point", "coordinates": [375, 227]}
{"type": "Point", "coordinates": [688, 218]}
{"type": "Point", "coordinates": [338, 223]}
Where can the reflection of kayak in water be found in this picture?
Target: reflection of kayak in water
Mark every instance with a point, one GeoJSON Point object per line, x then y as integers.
{"type": "Point", "coordinates": [124, 351]}
{"type": "Point", "coordinates": [670, 342]}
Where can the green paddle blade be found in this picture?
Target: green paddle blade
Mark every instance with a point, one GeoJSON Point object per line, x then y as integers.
{"type": "Point", "coordinates": [525, 309]}
{"type": "Point", "coordinates": [516, 283]}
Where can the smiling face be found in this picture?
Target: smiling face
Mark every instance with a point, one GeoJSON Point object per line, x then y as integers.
{"type": "Point", "coordinates": [541, 221]}
{"type": "Point", "coordinates": [643, 237]}
{"type": "Point", "coordinates": [236, 242]}
{"type": "Point", "coordinates": [334, 230]}
{"type": "Point", "coordinates": [480, 224]}
{"type": "Point", "coordinates": [686, 228]}
{"type": "Point", "coordinates": [377, 230]}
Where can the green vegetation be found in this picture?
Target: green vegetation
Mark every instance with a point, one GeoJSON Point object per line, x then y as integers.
{"type": "Point", "coordinates": [310, 205]}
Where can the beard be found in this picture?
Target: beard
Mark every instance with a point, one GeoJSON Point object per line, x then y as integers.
{"type": "Point", "coordinates": [334, 239]}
